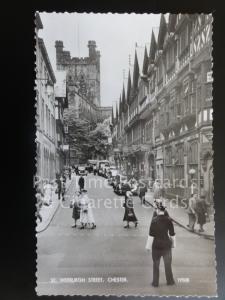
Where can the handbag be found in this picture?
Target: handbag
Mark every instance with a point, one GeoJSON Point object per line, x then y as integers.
{"type": "Point", "coordinates": [130, 213]}
{"type": "Point", "coordinates": [207, 218]}
{"type": "Point", "coordinates": [148, 245]}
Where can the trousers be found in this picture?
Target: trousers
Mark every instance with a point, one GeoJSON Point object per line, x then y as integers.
{"type": "Point", "coordinates": [167, 257]}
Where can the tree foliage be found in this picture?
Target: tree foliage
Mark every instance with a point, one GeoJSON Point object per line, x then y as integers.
{"type": "Point", "coordinates": [88, 138]}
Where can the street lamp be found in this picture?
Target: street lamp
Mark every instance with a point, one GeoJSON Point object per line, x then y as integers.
{"type": "Point", "coordinates": [192, 173]}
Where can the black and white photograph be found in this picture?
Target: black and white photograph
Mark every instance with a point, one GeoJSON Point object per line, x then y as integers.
{"type": "Point", "coordinates": [124, 154]}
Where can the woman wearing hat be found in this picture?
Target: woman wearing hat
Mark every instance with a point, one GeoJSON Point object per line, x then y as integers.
{"type": "Point", "coordinates": [160, 240]}
{"type": "Point", "coordinates": [76, 209]}
{"type": "Point", "coordinates": [201, 212]}
{"type": "Point", "coordinates": [129, 215]}
{"type": "Point", "coordinates": [86, 214]}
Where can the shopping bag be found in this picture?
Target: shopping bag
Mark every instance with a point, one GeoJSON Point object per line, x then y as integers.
{"type": "Point", "coordinates": [148, 245]}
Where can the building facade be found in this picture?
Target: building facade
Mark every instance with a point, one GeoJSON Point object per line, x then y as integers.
{"type": "Point", "coordinates": [51, 100]}
{"type": "Point", "coordinates": [83, 87]}
{"type": "Point", "coordinates": [61, 103]}
{"type": "Point", "coordinates": [45, 114]}
{"type": "Point", "coordinates": [166, 123]}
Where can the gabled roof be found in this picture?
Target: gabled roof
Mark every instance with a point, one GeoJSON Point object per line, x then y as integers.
{"type": "Point", "coordinates": [117, 114]}
{"type": "Point", "coordinates": [120, 106]}
{"type": "Point", "coordinates": [112, 117]}
{"type": "Point", "coordinates": [172, 22]}
{"type": "Point", "coordinates": [136, 72]}
{"type": "Point", "coordinates": [46, 59]}
{"type": "Point", "coordinates": [162, 32]}
{"type": "Point", "coordinates": [153, 48]}
{"type": "Point", "coordinates": [128, 87]}
{"type": "Point", "coordinates": [38, 21]}
{"type": "Point", "coordinates": [145, 63]}
{"type": "Point", "coordinates": [123, 99]}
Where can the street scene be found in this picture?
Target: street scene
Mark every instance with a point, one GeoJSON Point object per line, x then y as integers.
{"type": "Point", "coordinates": [124, 180]}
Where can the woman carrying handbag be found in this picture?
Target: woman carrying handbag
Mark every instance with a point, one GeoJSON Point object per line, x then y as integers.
{"type": "Point", "coordinates": [160, 241]}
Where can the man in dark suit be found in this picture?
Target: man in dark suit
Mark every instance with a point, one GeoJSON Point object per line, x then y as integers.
{"type": "Point", "coordinates": [81, 182]}
{"type": "Point", "coordinates": [162, 237]}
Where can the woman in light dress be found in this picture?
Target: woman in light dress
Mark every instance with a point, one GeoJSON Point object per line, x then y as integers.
{"type": "Point", "coordinates": [86, 213]}
{"type": "Point", "coordinates": [48, 188]}
{"type": "Point", "coordinates": [75, 204]}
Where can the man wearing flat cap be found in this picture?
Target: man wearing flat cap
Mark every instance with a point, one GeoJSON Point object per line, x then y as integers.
{"type": "Point", "coordinates": [161, 239]}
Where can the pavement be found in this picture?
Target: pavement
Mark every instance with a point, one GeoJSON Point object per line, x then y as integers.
{"type": "Point", "coordinates": [112, 260]}
{"type": "Point", "coordinates": [48, 212]}
{"type": "Point", "coordinates": [180, 216]}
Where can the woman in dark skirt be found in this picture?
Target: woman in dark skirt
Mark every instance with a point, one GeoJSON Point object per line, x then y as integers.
{"type": "Point", "coordinates": [76, 209]}
{"type": "Point", "coordinates": [129, 215]}
{"type": "Point", "coordinates": [201, 212]}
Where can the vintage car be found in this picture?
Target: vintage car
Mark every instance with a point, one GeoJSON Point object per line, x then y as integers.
{"type": "Point", "coordinates": [111, 174]}
{"type": "Point", "coordinates": [101, 165]}
{"type": "Point", "coordinates": [82, 170]}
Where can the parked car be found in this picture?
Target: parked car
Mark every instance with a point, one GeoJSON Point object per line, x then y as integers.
{"type": "Point", "coordinates": [111, 174]}
{"type": "Point", "coordinates": [82, 170]}
{"type": "Point", "coordinates": [119, 185]}
{"type": "Point", "coordinates": [101, 166]}
{"type": "Point", "coordinates": [91, 164]}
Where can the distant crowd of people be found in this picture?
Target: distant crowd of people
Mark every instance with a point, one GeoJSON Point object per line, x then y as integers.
{"type": "Point", "coordinates": [45, 190]}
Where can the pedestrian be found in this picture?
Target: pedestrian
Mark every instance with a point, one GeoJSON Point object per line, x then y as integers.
{"type": "Point", "coordinates": [76, 169]}
{"type": "Point", "coordinates": [76, 208]}
{"type": "Point", "coordinates": [201, 211]}
{"type": "Point", "coordinates": [63, 186]}
{"type": "Point", "coordinates": [126, 188]}
{"type": "Point", "coordinates": [81, 183]}
{"type": "Point", "coordinates": [157, 189]}
{"type": "Point", "coordinates": [129, 215]}
{"type": "Point", "coordinates": [91, 220]}
{"type": "Point", "coordinates": [142, 191]}
{"type": "Point", "coordinates": [39, 197]}
{"type": "Point", "coordinates": [191, 211]}
{"type": "Point", "coordinates": [47, 188]}
{"type": "Point", "coordinates": [59, 186]}
{"type": "Point", "coordinates": [161, 240]}
{"type": "Point", "coordinates": [95, 169]}
{"type": "Point", "coordinates": [86, 214]}
{"type": "Point", "coordinates": [156, 205]}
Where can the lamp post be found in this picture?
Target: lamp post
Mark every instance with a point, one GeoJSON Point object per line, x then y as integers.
{"type": "Point", "coordinates": [192, 173]}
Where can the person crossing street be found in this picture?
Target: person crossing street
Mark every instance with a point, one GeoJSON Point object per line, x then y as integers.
{"type": "Point", "coordinates": [81, 183]}
{"type": "Point", "coordinates": [129, 215]}
{"type": "Point", "coordinates": [161, 240]}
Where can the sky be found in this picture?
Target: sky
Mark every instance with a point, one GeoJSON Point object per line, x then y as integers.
{"type": "Point", "coordinates": [116, 36]}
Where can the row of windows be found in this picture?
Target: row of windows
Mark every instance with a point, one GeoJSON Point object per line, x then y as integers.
{"type": "Point", "coordinates": [45, 162]}
{"type": "Point", "coordinates": [48, 123]}
{"type": "Point", "coordinates": [192, 154]}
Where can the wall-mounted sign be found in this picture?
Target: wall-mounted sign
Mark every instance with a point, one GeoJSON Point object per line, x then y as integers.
{"type": "Point", "coordinates": [65, 147]}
